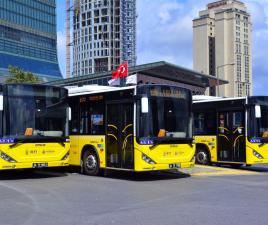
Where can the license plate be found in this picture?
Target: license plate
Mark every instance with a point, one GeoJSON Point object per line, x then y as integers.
{"type": "Point", "coordinates": [174, 166]}
{"type": "Point", "coordinates": [40, 165]}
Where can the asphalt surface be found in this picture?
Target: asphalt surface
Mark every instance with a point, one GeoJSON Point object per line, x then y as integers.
{"type": "Point", "coordinates": [63, 197]}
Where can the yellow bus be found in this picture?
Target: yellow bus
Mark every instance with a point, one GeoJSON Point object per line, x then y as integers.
{"type": "Point", "coordinates": [33, 126]}
{"type": "Point", "coordinates": [138, 128]}
{"type": "Point", "coordinates": [231, 130]}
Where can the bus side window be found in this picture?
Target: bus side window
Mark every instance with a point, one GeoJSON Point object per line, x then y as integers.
{"type": "Point", "coordinates": [97, 119]}
{"type": "Point", "coordinates": [237, 119]}
{"type": "Point", "coordinates": [204, 123]}
{"type": "Point", "coordinates": [1, 124]}
{"type": "Point", "coordinates": [97, 124]}
{"type": "Point", "coordinates": [74, 123]}
{"type": "Point", "coordinates": [199, 123]}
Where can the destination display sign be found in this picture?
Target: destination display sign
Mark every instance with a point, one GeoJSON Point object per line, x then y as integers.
{"type": "Point", "coordinates": [170, 93]}
{"type": "Point", "coordinates": [92, 98]}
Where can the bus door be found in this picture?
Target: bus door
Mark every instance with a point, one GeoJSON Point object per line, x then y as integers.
{"type": "Point", "coordinates": [119, 133]}
{"type": "Point", "coordinates": [231, 136]}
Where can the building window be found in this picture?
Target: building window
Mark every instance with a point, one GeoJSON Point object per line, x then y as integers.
{"type": "Point", "coordinates": [238, 66]}
{"type": "Point", "coordinates": [239, 90]}
{"type": "Point", "coordinates": [238, 48]}
{"type": "Point", "coordinates": [248, 89]}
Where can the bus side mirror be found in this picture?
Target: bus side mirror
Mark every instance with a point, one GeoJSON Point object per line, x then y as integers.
{"type": "Point", "coordinates": [144, 105]}
{"type": "Point", "coordinates": [1, 103]}
{"type": "Point", "coordinates": [69, 113]}
{"type": "Point", "coordinates": [257, 111]}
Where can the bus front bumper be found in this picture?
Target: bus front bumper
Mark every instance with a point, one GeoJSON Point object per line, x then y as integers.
{"type": "Point", "coordinates": [159, 167]}
{"type": "Point", "coordinates": [30, 165]}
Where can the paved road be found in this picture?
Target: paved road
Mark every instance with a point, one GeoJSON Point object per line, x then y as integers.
{"type": "Point", "coordinates": [124, 198]}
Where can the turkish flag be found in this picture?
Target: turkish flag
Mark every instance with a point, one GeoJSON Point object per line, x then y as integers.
{"type": "Point", "coordinates": [121, 71]}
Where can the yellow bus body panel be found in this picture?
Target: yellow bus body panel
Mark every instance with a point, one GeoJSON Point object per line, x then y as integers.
{"type": "Point", "coordinates": [163, 155]}
{"type": "Point", "coordinates": [258, 147]}
{"type": "Point", "coordinates": [79, 142]}
{"type": "Point", "coordinates": [26, 154]}
{"type": "Point", "coordinates": [211, 143]}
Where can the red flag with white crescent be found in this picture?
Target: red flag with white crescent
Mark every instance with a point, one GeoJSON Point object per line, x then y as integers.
{"type": "Point", "coordinates": [121, 71]}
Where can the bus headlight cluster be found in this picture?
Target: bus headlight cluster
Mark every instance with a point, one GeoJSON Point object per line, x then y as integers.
{"type": "Point", "coordinates": [6, 157]}
{"type": "Point", "coordinates": [148, 159]}
{"type": "Point", "coordinates": [258, 155]}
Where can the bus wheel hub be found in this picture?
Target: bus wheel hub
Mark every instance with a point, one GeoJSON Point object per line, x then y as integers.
{"type": "Point", "coordinates": [201, 157]}
{"type": "Point", "coordinates": [91, 162]}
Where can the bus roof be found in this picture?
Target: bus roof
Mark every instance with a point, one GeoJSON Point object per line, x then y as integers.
{"type": "Point", "coordinates": [94, 89]}
{"type": "Point", "coordinates": [205, 97]}
{"type": "Point", "coordinates": [202, 98]}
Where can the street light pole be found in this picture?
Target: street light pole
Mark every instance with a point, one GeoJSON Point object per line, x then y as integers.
{"type": "Point", "coordinates": [218, 78]}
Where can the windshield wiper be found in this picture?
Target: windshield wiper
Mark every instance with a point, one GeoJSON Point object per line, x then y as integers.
{"type": "Point", "coordinates": [62, 143]}
{"type": "Point", "coordinates": [167, 140]}
{"type": "Point", "coordinates": [16, 143]}
{"type": "Point", "coordinates": [158, 142]}
{"type": "Point", "coordinates": [262, 144]}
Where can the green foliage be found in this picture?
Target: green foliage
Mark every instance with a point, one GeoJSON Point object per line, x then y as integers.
{"type": "Point", "coordinates": [18, 75]}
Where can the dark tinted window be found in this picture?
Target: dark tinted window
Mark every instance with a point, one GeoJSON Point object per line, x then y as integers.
{"type": "Point", "coordinates": [92, 118]}
{"type": "Point", "coordinates": [205, 123]}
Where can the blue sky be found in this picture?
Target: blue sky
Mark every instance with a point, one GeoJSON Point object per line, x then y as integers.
{"type": "Point", "coordinates": [164, 32]}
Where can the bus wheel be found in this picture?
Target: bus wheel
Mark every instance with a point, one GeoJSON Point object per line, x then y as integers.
{"type": "Point", "coordinates": [90, 163]}
{"type": "Point", "coordinates": [202, 156]}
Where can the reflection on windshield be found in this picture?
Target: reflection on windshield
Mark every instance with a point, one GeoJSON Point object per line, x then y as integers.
{"type": "Point", "coordinates": [167, 118]}
{"type": "Point", "coordinates": [35, 115]}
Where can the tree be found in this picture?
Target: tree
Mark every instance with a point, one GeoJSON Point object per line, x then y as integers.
{"type": "Point", "coordinates": [18, 75]}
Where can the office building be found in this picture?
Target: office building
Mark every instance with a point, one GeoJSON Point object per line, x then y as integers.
{"type": "Point", "coordinates": [222, 46]}
{"type": "Point", "coordinates": [28, 38]}
{"type": "Point", "coordinates": [104, 35]}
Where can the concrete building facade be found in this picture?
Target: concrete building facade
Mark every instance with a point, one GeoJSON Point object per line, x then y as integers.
{"type": "Point", "coordinates": [104, 35]}
{"type": "Point", "coordinates": [28, 38]}
{"type": "Point", "coordinates": [222, 42]}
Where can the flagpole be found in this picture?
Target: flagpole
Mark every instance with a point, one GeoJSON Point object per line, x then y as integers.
{"type": "Point", "coordinates": [124, 78]}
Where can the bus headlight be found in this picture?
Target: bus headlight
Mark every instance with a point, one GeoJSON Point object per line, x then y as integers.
{"type": "Point", "coordinates": [258, 155]}
{"type": "Point", "coordinates": [7, 158]}
{"type": "Point", "coordinates": [148, 159]}
{"type": "Point", "coordinates": [66, 156]}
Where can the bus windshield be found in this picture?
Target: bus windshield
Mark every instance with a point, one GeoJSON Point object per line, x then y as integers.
{"type": "Point", "coordinates": [168, 117]}
{"type": "Point", "coordinates": [35, 111]}
{"type": "Point", "coordinates": [260, 125]}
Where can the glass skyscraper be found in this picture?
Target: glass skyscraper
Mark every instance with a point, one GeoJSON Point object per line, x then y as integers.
{"type": "Point", "coordinates": [28, 37]}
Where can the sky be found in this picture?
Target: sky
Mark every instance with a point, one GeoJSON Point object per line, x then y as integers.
{"type": "Point", "coordinates": [164, 33]}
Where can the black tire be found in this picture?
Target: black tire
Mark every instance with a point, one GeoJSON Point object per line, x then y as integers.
{"type": "Point", "coordinates": [90, 163]}
{"type": "Point", "coordinates": [202, 156]}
